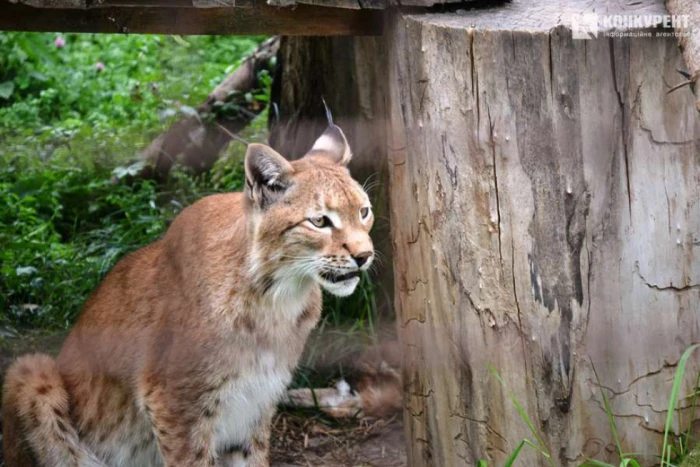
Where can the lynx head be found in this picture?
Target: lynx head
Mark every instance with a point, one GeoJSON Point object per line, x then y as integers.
{"type": "Point", "coordinates": [310, 220]}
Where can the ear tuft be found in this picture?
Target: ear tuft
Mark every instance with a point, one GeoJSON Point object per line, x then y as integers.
{"type": "Point", "coordinates": [267, 175]}
{"type": "Point", "coordinates": [334, 144]}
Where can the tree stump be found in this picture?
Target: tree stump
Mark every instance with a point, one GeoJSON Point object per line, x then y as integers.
{"type": "Point", "coordinates": [545, 217]}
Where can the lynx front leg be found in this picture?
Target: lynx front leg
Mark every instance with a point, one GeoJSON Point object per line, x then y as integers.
{"type": "Point", "coordinates": [260, 445]}
{"type": "Point", "coordinates": [183, 439]}
{"type": "Point", "coordinates": [255, 453]}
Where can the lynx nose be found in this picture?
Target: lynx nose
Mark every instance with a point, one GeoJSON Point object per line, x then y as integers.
{"type": "Point", "coordinates": [362, 258]}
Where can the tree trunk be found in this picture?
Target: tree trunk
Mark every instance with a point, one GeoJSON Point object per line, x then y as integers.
{"type": "Point", "coordinates": [689, 39]}
{"type": "Point", "coordinates": [545, 216]}
{"type": "Point", "coordinates": [196, 142]}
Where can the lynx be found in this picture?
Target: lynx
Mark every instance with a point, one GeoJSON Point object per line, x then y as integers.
{"type": "Point", "coordinates": [181, 354]}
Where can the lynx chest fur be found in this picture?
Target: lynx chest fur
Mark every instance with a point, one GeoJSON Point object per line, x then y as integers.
{"type": "Point", "coordinates": [181, 354]}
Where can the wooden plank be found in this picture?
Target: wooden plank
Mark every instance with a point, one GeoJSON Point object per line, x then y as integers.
{"type": "Point", "coordinates": [378, 4]}
{"type": "Point", "coordinates": [349, 4]}
{"type": "Point", "coordinates": [90, 4]}
{"type": "Point", "coordinates": [260, 19]}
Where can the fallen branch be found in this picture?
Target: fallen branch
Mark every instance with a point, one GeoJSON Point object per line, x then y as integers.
{"type": "Point", "coordinates": [689, 41]}
{"type": "Point", "coordinates": [377, 389]}
{"type": "Point", "coordinates": [196, 140]}
{"type": "Point", "coordinates": [338, 402]}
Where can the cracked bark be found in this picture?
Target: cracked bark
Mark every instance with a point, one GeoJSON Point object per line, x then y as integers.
{"type": "Point", "coordinates": [689, 39]}
{"type": "Point", "coordinates": [533, 236]}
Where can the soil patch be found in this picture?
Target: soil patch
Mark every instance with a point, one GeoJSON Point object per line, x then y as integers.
{"type": "Point", "coordinates": [310, 440]}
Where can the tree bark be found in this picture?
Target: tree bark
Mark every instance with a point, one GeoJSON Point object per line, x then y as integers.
{"type": "Point", "coordinates": [196, 142]}
{"type": "Point", "coordinates": [689, 40]}
{"type": "Point", "coordinates": [545, 217]}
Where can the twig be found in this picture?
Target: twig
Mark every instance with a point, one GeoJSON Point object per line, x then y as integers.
{"type": "Point", "coordinates": [231, 135]}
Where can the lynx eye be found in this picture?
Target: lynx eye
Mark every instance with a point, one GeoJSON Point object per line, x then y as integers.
{"type": "Point", "coordinates": [320, 222]}
{"type": "Point", "coordinates": [364, 213]}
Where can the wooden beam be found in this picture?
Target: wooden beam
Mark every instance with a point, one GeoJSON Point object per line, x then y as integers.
{"type": "Point", "coordinates": [349, 4]}
{"type": "Point", "coordinates": [92, 4]}
{"type": "Point", "coordinates": [359, 4]}
{"type": "Point", "coordinates": [257, 19]}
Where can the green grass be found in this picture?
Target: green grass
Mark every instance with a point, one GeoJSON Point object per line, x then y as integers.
{"type": "Point", "coordinates": [67, 133]}
{"type": "Point", "coordinates": [675, 447]}
{"type": "Point", "coordinates": [682, 450]}
{"type": "Point", "coordinates": [65, 127]}
{"type": "Point", "coordinates": [64, 228]}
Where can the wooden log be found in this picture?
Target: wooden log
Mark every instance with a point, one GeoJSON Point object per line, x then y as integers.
{"type": "Point", "coordinates": [197, 143]}
{"type": "Point", "coordinates": [545, 218]}
{"type": "Point", "coordinates": [350, 4]}
{"type": "Point", "coordinates": [372, 4]}
{"type": "Point", "coordinates": [258, 19]}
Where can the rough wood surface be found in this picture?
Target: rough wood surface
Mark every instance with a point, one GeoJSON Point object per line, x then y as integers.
{"type": "Point", "coordinates": [91, 4]}
{"type": "Point", "coordinates": [260, 19]}
{"type": "Point", "coordinates": [545, 217]}
{"type": "Point", "coordinates": [689, 41]}
{"type": "Point", "coordinates": [348, 4]}
{"type": "Point", "coordinates": [372, 4]}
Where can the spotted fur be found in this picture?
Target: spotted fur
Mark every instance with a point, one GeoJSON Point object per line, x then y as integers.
{"type": "Point", "coordinates": [181, 354]}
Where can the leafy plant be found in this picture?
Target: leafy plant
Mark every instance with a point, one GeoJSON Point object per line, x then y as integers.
{"type": "Point", "coordinates": [69, 131]}
{"type": "Point", "coordinates": [672, 403]}
{"type": "Point", "coordinates": [67, 125]}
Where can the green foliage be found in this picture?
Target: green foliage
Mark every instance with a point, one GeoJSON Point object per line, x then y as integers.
{"type": "Point", "coordinates": [360, 308]}
{"type": "Point", "coordinates": [141, 74]}
{"type": "Point", "coordinates": [64, 228]}
{"type": "Point", "coordinates": [67, 213]}
{"type": "Point", "coordinates": [682, 450]}
{"type": "Point", "coordinates": [56, 104]}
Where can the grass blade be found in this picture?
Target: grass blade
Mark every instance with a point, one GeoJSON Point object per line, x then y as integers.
{"type": "Point", "coordinates": [596, 463]}
{"type": "Point", "coordinates": [609, 414]}
{"type": "Point", "coordinates": [693, 401]}
{"type": "Point", "coordinates": [677, 380]}
{"type": "Point", "coordinates": [629, 463]}
{"type": "Point", "coordinates": [515, 454]}
{"type": "Point", "coordinates": [542, 447]}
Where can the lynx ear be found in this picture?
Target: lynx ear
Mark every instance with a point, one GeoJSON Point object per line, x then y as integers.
{"type": "Point", "coordinates": [334, 144]}
{"type": "Point", "coordinates": [267, 175]}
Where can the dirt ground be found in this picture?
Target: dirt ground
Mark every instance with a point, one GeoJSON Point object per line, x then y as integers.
{"type": "Point", "coordinates": [308, 441]}
{"type": "Point", "coordinates": [298, 438]}
{"type": "Point", "coordinates": [305, 441]}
